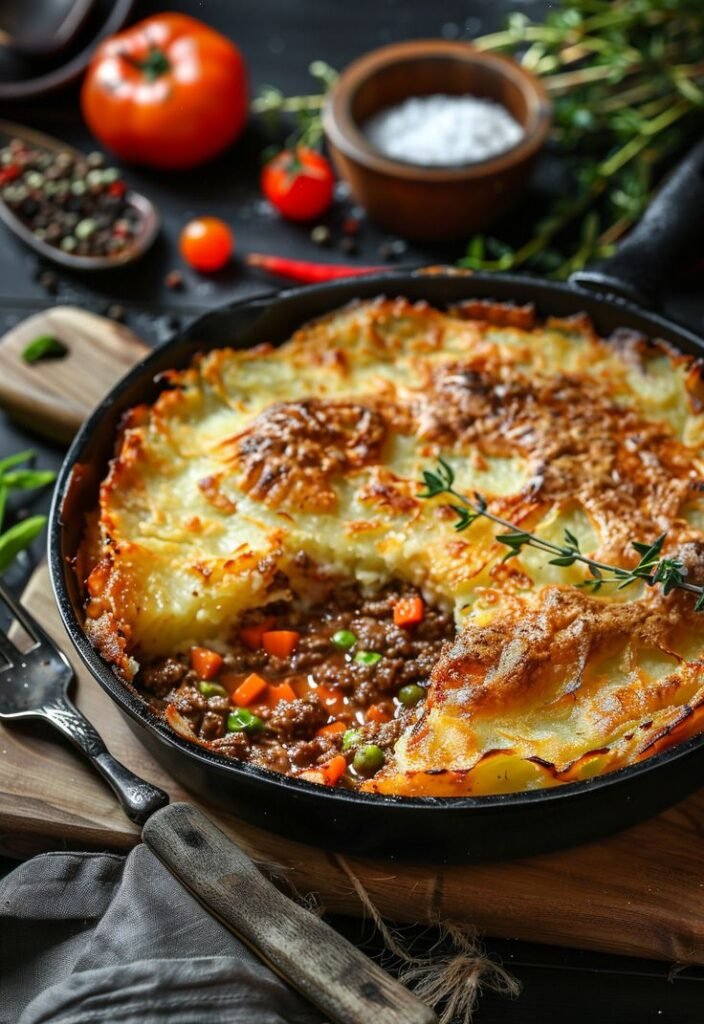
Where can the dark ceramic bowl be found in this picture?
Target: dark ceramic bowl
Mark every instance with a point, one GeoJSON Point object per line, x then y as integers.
{"type": "Point", "coordinates": [433, 204]}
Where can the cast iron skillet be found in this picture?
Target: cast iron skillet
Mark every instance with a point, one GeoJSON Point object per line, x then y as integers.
{"type": "Point", "coordinates": [431, 828]}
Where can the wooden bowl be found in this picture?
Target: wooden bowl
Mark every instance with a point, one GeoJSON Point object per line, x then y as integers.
{"type": "Point", "coordinates": [432, 204]}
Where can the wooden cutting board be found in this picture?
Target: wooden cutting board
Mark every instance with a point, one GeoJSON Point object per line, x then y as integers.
{"type": "Point", "coordinates": [639, 893]}
{"type": "Point", "coordinates": [53, 397]}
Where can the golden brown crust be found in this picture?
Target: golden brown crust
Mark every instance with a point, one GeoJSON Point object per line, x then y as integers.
{"type": "Point", "coordinates": [292, 451]}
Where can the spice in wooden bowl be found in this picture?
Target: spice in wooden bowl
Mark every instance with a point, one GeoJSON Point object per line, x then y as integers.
{"type": "Point", "coordinates": [73, 203]}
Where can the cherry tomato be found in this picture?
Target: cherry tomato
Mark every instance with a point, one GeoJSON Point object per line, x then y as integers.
{"type": "Point", "coordinates": [299, 183]}
{"type": "Point", "coordinates": [206, 243]}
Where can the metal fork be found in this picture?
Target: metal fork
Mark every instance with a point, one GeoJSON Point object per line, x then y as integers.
{"type": "Point", "coordinates": [34, 684]}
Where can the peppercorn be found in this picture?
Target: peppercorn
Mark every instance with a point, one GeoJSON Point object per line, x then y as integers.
{"type": "Point", "coordinates": [174, 280]}
{"type": "Point", "coordinates": [84, 229]}
{"type": "Point", "coordinates": [320, 234]}
{"type": "Point", "coordinates": [49, 281]}
{"type": "Point", "coordinates": [71, 202]}
{"type": "Point", "coordinates": [348, 246]}
{"type": "Point", "coordinates": [116, 312]}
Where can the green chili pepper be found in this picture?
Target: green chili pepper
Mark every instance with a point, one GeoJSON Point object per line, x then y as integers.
{"type": "Point", "coordinates": [344, 639]}
{"type": "Point", "coordinates": [43, 347]}
{"type": "Point", "coordinates": [367, 657]}
{"type": "Point", "coordinates": [410, 695]}
{"type": "Point", "coordinates": [368, 759]}
{"type": "Point", "coordinates": [244, 721]}
{"type": "Point", "coordinates": [351, 738]}
{"type": "Point", "coordinates": [211, 689]}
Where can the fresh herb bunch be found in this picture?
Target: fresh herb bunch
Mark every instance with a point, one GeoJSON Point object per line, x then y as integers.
{"type": "Point", "coordinates": [627, 81]}
{"type": "Point", "coordinates": [652, 569]}
{"type": "Point", "coordinates": [17, 474]}
{"type": "Point", "coordinates": [304, 110]}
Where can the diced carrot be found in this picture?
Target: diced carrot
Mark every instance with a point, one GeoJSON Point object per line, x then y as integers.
{"type": "Point", "coordinates": [333, 770]}
{"type": "Point", "coordinates": [280, 642]}
{"type": "Point", "coordinates": [251, 636]}
{"type": "Point", "coordinates": [330, 697]}
{"type": "Point", "coordinates": [284, 691]}
{"type": "Point", "coordinates": [375, 713]}
{"type": "Point", "coordinates": [409, 611]}
{"type": "Point", "coordinates": [205, 662]}
{"type": "Point", "coordinates": [248, 691]}
{"type": "Point", "coordinates": [332, 729]}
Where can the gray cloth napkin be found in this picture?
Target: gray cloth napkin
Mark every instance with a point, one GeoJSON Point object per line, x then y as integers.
{"type": "Point", "coordinates": [94, 938]}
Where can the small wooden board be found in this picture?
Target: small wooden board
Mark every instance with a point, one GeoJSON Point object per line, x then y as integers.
{"type": "Point", "coordinates": [639, 893]}
{"type": "Point", "coordinates": [53, 397]}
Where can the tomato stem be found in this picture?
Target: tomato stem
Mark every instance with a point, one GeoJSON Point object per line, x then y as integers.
{"type": "Point", "coordinates": [154, 65]}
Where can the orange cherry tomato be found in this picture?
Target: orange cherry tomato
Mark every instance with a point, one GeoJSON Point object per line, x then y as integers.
{"type": "Point", "coordinates": [206, 243]}
{"type": "Point", "coordinates": [168, 92]}
{"type": "Point", "coordinates": [299, 183]}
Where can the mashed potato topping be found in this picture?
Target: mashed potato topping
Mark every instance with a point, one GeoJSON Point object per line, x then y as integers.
{"type": "Point", "coordinates": [274, 472]}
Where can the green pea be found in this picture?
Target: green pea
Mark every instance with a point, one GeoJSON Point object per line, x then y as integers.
{"type": "Point", "coordinates": [368, 759]}
{"type": "Point", "coordinates": [351, 738]}
{"type": "Point", "coordinates": [244, 721]}
{"type": "Point", "coordinates": [367, 657]}
{"type": "Point", "coordinates": [410, 695]}
{"type": "Point", "coordinates": [344, 639]}
{"type": "Point", "coordinates": [211, 689]}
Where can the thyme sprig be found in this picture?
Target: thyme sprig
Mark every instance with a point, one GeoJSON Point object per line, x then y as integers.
{"type": "Point", "coordinates": [652, 569]}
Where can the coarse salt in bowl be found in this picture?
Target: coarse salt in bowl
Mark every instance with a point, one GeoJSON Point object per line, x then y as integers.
{"type": "Point", "coordinates": [442, 130]}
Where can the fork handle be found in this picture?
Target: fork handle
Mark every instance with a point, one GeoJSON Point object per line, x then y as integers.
{"type": "Point", "coordinates": [138, 798]}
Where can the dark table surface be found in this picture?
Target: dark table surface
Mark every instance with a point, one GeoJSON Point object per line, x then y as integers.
{"type": "Point", "coordinates": [279, 39]}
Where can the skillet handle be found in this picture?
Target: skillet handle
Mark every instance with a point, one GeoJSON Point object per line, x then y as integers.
{"type": "Point", "coordinates": [670, 232]}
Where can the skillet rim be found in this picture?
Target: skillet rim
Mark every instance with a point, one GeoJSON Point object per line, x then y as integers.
{"type": "Point", "coordinates": [135, 708]}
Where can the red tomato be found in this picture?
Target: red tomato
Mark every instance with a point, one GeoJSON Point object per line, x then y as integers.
{"type": "Point", "coordinates": [206, 243]}
{"type": "Point", "coordinates": [299, 183]}
{"type": "Point", "coordinates": [169, 92]}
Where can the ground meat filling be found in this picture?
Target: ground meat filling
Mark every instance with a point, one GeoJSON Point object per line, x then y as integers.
{"type": "Point", "coordinates": [339, 699]}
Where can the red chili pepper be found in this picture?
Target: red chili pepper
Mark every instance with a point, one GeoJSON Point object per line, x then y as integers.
{"type": "Point", "coordinates": [305, 272]}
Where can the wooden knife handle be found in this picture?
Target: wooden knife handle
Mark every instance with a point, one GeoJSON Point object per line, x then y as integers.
{"type": "Point", "coordinates": [305, 951]}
